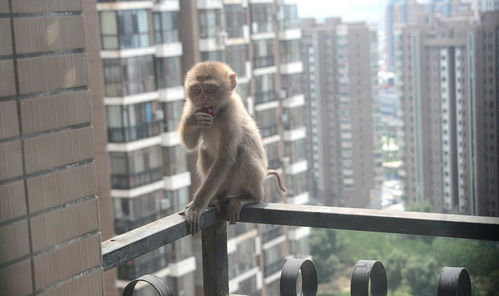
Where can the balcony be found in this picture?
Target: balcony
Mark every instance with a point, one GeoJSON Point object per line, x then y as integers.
{"type": "Point", "coordinates": [214, 233]}
{"type": "Point", "coordinates": [132, 180]}
{"type": "Point", "coordinates": [134, 133]}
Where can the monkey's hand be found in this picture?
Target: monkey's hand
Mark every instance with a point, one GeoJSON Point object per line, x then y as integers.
{"type": "Point", "coordinates": [192, 216]}
{"type": "Point", "coordinates": [203, 120]}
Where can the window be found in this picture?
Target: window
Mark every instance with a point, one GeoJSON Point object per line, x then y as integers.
{"type": "Point", "coordinates": [124, 29]}
{"type": "Point", "coordinates": [137, 168]}
{"type": "Point", "coordinates": [165, 27]}
{"type": "Point", "coordinates": [236, 58]}
{"type": "Point", "coordinates": [263, 51]}
{"type": "Point", "coordinates": [267, 122]}
{"type": "Point", "coordinates": [296, 184]}
{"type": "Point", "coordinates": [134, 212]}
{"type": "Point", "coordinates": [272, 150]}
{"type": "Point", "coordinates": [209, 23]}
{"type": "Point", "coordinates": [174, 160]}
{"type": "Point", "coordinates": [264, 88]}
{"type": "Point", "coordinates": [288, 17]}
{"type": "Point", "coordinates": [261, 18]}
{"type": "Point", "coordinates": [295, 150]}
{"type": "Point", "coordinates": [235, 19]}
{"type": "Point", "coordinates": [217, 55]}
{"type": "Point", "coordinates": [133, 122]}
{"type": "Point", "coordinates": [290, 51]}
{"type": "Point", "coordinates": [168, 72]}
{"type": "Point", "coordinates": [172, 113]}
{"type": "Point", "coordinates": [292, 118]}
{"type": "Point", "coordinates": [292, 84]}
{"type": "Point", "coordinates": [128, 76]}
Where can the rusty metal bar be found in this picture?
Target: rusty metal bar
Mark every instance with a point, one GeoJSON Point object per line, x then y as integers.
{"type": "Point", "coordinates": [215, 260]}
{"type": "Point", "coordinates": [149, 237]}
{"type": "Point", "coordinates": [445, 225]}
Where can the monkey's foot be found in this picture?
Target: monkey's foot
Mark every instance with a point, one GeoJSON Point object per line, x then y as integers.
{"type": "Point", "coordinates": [186, 207]}
{"type": "Point", "coordinates": [234, 209]}
{"type": "Point", "coordinates": [192, 217]}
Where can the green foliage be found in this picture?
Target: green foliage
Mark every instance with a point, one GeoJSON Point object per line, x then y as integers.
{"type": "Point", "coordinates": [413, 263]}
{"type": "Point", "coordinates": [325, 246]}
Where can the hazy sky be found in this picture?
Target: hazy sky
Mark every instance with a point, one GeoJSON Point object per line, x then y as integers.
{"type": "Point", "coordinates": [349, 10]}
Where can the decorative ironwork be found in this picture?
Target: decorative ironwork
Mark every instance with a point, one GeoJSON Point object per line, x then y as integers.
{"type": "Point", "coordinates": [157, 283]}
{"type": "Point", "coordinates": [291, 272]}
{"type": "Point", "coordinates": [454, 281]}
{"type": "Point", "coordinates": [365, 271]}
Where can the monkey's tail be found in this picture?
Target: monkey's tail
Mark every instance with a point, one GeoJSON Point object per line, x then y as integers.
{"type": "Point", "coordinates": [278, 179]}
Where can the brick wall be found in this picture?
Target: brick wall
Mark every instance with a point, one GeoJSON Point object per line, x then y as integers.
{"type": "Point", "coordinates": [49, 224]}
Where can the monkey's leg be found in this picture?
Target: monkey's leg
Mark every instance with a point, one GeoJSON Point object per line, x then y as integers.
{"type": "Point", "coordinates": [237, 203]}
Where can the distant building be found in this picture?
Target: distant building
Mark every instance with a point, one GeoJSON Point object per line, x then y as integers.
{"type": "Point", "coordinates": [449, 88]}
{"type": "Point", "coordinates": [340, 84]}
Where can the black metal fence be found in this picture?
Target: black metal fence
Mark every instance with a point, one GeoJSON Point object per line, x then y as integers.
{"type": "Point", "coordinates": [214, 237]}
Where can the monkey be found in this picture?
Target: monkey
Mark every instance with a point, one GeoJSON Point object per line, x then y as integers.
{"type": "Point", "coordinates": [231, 163]}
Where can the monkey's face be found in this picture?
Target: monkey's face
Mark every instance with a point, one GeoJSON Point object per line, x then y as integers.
{"type": "Point", "coordinates": [208, 94]}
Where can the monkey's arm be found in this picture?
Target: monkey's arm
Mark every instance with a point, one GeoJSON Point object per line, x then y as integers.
{"type": "Point", "coordinates": [215, 177]}
{"type": "Point", "coordinates": [191, 126]}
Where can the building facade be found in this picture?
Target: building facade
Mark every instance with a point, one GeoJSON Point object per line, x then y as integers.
{"type": "Point", "coordinates": [341, 89]}
{"type": "Point", "coordinates": [49, 217]}
{"type": "Point", "coordinates": [448, 71]}
{"type": "Point", "coordinates": [147, 48]}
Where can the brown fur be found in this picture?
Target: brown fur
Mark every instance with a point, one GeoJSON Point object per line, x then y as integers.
{"type": "Point", "coordinates": [231, 159]}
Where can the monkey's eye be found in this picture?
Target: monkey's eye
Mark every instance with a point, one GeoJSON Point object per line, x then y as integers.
{"type": "Point", "coordinates": [211, 89]}
{"type": "Point", "coordinates": [195, 89]}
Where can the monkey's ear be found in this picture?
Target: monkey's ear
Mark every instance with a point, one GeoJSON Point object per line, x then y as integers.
{"type": "Point", "coordinates": [233, 80]}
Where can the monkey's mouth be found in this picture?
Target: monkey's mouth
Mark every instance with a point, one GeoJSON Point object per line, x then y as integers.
{"type": "Point", "coordinates": [208, 110]}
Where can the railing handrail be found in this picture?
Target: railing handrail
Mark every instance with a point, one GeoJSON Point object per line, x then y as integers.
{"type": "Point", "coordinates": [144, 239]}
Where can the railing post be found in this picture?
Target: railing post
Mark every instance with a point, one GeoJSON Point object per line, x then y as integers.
{"type": "Point", "coordinates": [215, 260]}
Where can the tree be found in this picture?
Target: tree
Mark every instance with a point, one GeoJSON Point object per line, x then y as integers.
{"type": "Point", "coordinates": [394, 264]}
{"type": "Point", "coordinates": [421, 274]}
{"type": "Point", "coordinates": [324, 248]}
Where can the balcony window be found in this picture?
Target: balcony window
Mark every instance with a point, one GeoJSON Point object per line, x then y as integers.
{"type": "Point", "coordinates": [261, 18]}
{"type": "Point", "coordinates": [137, 168]}
{"type": "Point", "coordinates": [292, 118]}
{"type": "Point", "coordinates": [267, 122]}
{"type": "Point", "coordinates": [235, 18]}
{"type": "Point", "coordinates": [124, 29]}
{"type": "Point", "coordinates": [273, 260]}
{"type": "Point", "coordinates": [290, 51]}
{"type": "Point", "coordinates": [177, 199]}
{"type": "Point", "coordinates": [128, 76]}
{"type": "Point", "coordinates": [263, 51]}
{"type": "Point", "coordinates": [216, 55]}
{"type": "Point", "coordinates": [236, 57]}
{"type": "Point", "coordinates": [295, 150]}
{"type": "Point", "coordinates": [172, 113]}
{"type": "Point", "coordinates": [168, 72]}
{"type": "Point", "coordinates": [296, 184]}
{"type": "Point", "coordinates": [210, 23]}
{"type": "Point", "coordinates": [131, 213]}
{"type": "Point", "coordinates": [165, 27]}
{"type": "Point", "coordinates": [272, 150]}
{"type": "Point", "coordinates": [288, 17]}
{"type": "Point", "coordinates": [264, 88]}
{"type": "Point", "coordinates": [133, 122]}
{"type": "Point", "coordinates": [243, 259]}
{"type": "Point", "coordinates": [292, 84]}
{"type": "Point", "coordinates": [174, 160]}
{"type": "Point", "coordinates": [147, 263]}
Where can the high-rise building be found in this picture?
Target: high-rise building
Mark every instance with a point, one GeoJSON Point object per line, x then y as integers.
{"type": "Point", "coordinates": [48, 205]}
{"type": "Point", "coordinates": [147, 47]}
{"type": "Point", "coordinates": [340, 84]}
{"type": "Point", "coordinates": [448, 71]}
{"type": "Point", "coordinates": [143, 95]}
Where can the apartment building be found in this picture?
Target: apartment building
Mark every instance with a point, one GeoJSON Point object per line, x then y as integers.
{"type": "Point", "coordinates": [143, 94]}
{"type": "Point", "coordinates": [448, 76]}
{"type": "Point", "coordinates": [147, 47]}
{"type": "Point", "coordinates": [49, 230]}
{"type": "Point", "coordinates": [340, 84]}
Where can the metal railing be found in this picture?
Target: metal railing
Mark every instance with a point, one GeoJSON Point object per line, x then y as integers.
{"type": "Point", "coordinates": [214, 232]}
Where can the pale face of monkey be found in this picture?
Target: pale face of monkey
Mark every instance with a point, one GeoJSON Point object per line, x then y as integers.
{"type": "Point", "coordinates": [207, 94]}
